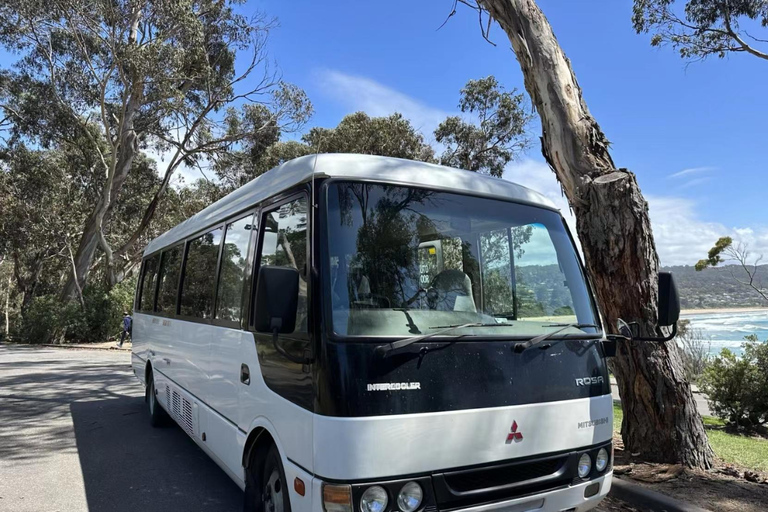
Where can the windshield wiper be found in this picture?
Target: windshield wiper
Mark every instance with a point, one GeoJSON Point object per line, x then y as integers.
{"type": "Point", "coordinates": [386, 349]}
{"type": "Point", "coordinates": [519, 347]}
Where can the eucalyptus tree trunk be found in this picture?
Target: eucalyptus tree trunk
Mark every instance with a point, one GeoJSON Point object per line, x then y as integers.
{"type": "Point", "coordinates": [661, 421]}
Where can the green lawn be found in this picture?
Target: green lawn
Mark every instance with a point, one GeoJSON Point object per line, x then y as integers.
{"type": "Point", "coordinates": [750, 452]}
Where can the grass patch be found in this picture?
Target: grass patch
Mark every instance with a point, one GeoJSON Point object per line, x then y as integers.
{"type": "Point", "coordinates": [747, 451]}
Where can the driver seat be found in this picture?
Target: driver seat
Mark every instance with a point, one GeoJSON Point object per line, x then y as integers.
{"type": "Point", "coordinates": [453, 292]}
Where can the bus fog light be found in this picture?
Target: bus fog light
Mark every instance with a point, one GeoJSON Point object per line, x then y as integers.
{"type": "Point", "coordinates": [585, 465]}
{"type": "Point", "coordinates": [601, 462]}
{"type": "Point", "coordinates": [410, 497]}
{"type": "Point", "coordinates": [374, 499]}
{"type": "Point", "coordinates": [337, 498]}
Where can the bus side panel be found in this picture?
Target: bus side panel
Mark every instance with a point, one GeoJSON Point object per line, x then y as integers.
{"type": "Point", "coordinates": [140, 344]}
{"type": "Point", "coordinates": [288, 423]}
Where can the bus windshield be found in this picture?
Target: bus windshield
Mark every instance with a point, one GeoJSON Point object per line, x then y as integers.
{"type": "Point", "coordinates": [408, 261]}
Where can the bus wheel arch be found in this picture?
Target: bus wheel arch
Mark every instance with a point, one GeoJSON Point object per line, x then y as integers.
{"type": "Point", "coordinates": [261, 456]}
{"type": "Point", "coordinates": [257, 445]}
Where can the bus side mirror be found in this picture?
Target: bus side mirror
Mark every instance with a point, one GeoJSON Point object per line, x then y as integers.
{"type": "Point", "coordinates": [668, 312]}
{"type": "Point", "coordinates": [669, 301]}
{"type": "Point", "coordinates": [277, 295]}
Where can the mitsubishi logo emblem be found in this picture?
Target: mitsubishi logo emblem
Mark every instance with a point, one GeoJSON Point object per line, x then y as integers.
{"type": "Point", "coordinates": [514, 435]}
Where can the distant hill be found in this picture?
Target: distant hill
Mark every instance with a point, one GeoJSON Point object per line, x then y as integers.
{"type": "Point", "coordinates": [710, 288]}
{"type": "Point", "coordinates": [716, 287]}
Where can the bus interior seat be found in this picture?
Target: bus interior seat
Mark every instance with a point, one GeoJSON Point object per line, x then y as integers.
{"type": "Point", "coordinates": [453, 291]}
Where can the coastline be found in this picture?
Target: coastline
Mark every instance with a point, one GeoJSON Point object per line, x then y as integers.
{"type": "Point", "coordinates": [709, 311]}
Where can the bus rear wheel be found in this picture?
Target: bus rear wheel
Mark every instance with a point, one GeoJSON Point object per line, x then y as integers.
{"type": "Point", "coordinates": [157, 415]}
{"type": "Point", "coordinates": [266, 489]}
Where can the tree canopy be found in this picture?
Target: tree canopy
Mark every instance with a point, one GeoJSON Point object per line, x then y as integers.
{"type": "Point", "coordinates": [703, 28]}
{"type": "Point", "coordinates": [498, 136]}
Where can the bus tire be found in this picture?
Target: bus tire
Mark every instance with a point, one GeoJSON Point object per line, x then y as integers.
{"type": "Point", "coordinates": [266, 489]}
{"type": "Point", "coordinates": [157, 415]}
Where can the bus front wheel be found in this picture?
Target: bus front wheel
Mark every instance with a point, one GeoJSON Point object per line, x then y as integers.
{"type": "Point", "coordinates": [266, 489]}
{"type": "Point", "coordinates": [157, 415]}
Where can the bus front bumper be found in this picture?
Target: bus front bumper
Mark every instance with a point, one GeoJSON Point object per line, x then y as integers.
{"type": "Point", "coordinates": [574, 498]}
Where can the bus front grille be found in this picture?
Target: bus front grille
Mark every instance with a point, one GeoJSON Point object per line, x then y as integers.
{"type": "Point", "coordinates": [502, 475]}
{"type": "Point", "coordinates": [473, 486]}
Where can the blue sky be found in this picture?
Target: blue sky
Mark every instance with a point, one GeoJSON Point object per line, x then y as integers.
{"type": "Point", "coordinates": [694, 133]}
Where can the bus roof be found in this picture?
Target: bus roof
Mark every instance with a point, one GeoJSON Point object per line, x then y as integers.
{"type": "Point", "coordinates": [353, 167]}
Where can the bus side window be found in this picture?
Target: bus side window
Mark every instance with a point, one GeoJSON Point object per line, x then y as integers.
{"type": "Point", "coordinates": [148, 281]}
{"type": "Point", "coordinates": [197, 285]}
{"type": "Point", "coordinates": [285, 244]}
{"type": "Point", "coordinates": [232, 272]}
{"type": "Point", "coordinates": [170, 268]}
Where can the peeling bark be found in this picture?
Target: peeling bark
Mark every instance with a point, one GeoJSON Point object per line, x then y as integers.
{"type": "Point", "coordinates": [661, 421]}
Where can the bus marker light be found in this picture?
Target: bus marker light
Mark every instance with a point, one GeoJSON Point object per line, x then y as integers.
{"type": "Point", "coordinates": [337, 498]}
{"type": "Point", "coordinates": [298, 486]}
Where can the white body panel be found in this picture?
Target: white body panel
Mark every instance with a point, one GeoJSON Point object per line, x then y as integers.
{"type": "Point", "coordinates": [206, 371]}
{"type": "Point", "coordinates": [417, 443]}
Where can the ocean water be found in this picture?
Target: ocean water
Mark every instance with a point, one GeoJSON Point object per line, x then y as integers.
{"type": "Point", "coordinates": [723, 330]}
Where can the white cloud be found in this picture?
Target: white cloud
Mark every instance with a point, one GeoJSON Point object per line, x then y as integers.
{"type": "Point", "coordinates": [692, 170]}
{"type": "Point", "coordinates": [682, 238]}
{"type": "Point", "coordinates": [361, 93]}
{"type": "Point", "coordinates": [695, 181]}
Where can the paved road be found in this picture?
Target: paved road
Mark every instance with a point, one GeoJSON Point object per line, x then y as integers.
{"type": "Point", "coordinates": [75, 436]}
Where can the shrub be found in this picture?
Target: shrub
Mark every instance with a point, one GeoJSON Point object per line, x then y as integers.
{"type": "Point", "coordinates": [695, 350]}
{"type": "Point", "coordinates": [737, 388]}
{"type": "Point", "coordinates": [48, 320]}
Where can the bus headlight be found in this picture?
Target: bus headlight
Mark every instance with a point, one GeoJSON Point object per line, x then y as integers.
{"type": "Point", "coordinates": [585, 465]}
{"type": "Point", "coordinates": [410, 497]}
{"type": "Point", "coordinates": [601, 462]}
{"type": "Point", "coordinates": [374, 499]}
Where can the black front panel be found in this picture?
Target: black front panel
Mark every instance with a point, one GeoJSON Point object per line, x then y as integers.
{"type": "Point", "coordinates": [448, 377]}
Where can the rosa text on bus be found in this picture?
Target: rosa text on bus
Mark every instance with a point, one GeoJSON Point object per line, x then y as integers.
{"type": "Point", "coordinates": [351, 333]}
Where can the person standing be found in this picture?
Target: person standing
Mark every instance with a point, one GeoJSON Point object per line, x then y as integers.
{"type": "Point", "coordinates": [127, 324]}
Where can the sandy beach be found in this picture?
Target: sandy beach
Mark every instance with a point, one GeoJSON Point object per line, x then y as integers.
{"type": "Point", "coordinates": [722, 310]}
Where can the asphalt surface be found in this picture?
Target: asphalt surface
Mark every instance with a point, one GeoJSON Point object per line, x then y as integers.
{"type": "Point", "coordinates": [75, 436]}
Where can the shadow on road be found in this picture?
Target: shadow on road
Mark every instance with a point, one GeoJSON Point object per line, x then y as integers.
{"type": "Point", "coordinates": [127, 465]}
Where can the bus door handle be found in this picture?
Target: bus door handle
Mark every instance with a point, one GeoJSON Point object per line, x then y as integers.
{"type": "Point", "coordinates": [167, 361]}
{"type": "Point", "coordinates": [245, 374]}
{"type": "Point", "coordinates": [152, 352]}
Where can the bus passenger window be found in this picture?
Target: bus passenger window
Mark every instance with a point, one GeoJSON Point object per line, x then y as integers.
{"type": "Point", "coordinates": [147, 299]}
{"type": "Point", "coordinates": [200, 275]}
{"type": "Point", "coordinates": [170, 268]}
{"type": "Point", "coordinates": [232, 273]}
{"type": "Point", "coordinates": [285, 244]}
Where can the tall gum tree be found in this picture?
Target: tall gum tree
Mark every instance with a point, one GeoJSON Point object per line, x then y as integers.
{"type": "Point", "coordinates": [151, 74]}
{"type": "Point", "coordinates": [661, 421]}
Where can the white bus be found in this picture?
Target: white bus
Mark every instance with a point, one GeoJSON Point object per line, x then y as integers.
{"type": "Point", "coordinates": [351, 333]}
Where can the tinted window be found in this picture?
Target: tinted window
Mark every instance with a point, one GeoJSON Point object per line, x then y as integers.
{"type": "Point", "coordinates": [285, 244]}
{"type": "Point", "coordinates": [170, 268]}
{"type": "Point", "coordinates": [148, 283]}
{"type": "Point", "coordinates": [232, 273]}
{"type": "Point", "coordinates": [200, 274]}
